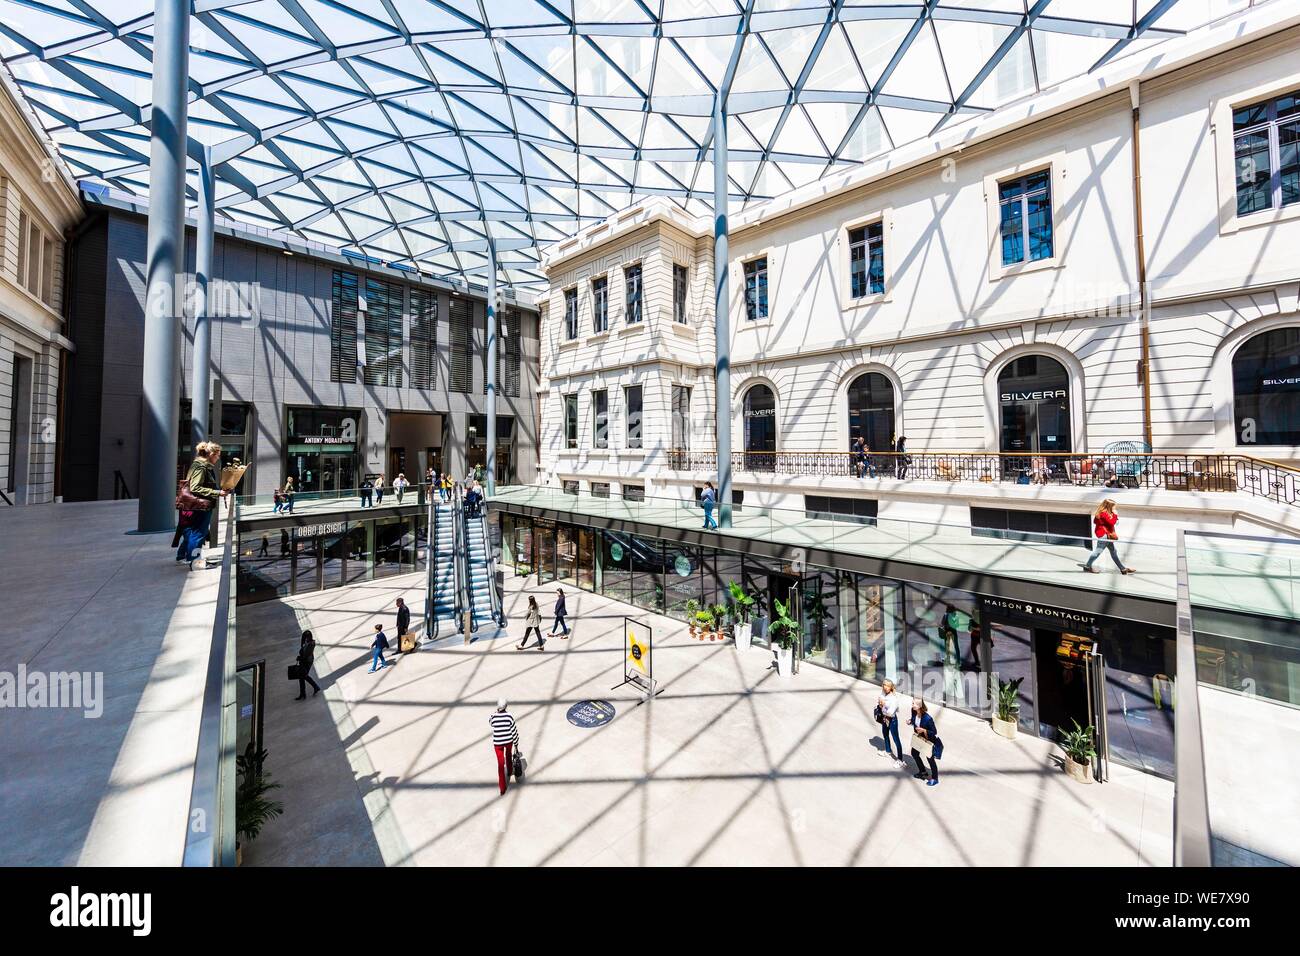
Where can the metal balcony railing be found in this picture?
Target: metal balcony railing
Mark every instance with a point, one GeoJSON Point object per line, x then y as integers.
{"type": "Point", "coordinates": [1170, 471]}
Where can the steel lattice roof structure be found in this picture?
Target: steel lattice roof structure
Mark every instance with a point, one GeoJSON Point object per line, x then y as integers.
{"type": "Point", "coordinates": [412, 132]}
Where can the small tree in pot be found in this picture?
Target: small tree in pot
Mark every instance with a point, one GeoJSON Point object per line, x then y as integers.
{"type": "Point", "coordinates": [719, 612]}
{"type": "Point", "coordinates": [785, 633]}
{"type": "Point", "coordinates": [1008, 708]}
{"type": "Point", "coordinates": [744, 606]}
{"type": "Point", "coordinates": [692, 609]}
{"type": "Point", "coordinates": [704, 619]}
{"type": "Point", "coordinates": [1080, 748]}
{"type": "Point", "coordinates": [253, 808]}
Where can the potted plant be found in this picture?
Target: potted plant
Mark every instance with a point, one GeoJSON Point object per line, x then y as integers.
{"type": "Point", "coordinates": [704, 619]}
{"type": "Point", "coordinates": [253, 808]}
{"type": "Point", "coordinates": [744, 606]}
{"type": "Point", "coordinates": [785, 632]}
{"type": "Point", "coordinates": [1080, 749]}
{"type": "Point", "coordinates": [692, 609]}
{"type": "Point", "coordinates": [719, 612]}
{"type": "Point", "coordinates": [1004, 718]}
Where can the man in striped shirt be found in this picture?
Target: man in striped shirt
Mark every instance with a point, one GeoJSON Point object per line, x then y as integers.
{"type": "Point", "coordinates": [505, 735]}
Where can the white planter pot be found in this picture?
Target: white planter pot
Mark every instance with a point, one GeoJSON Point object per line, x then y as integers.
{"type": "Point", "coordinates": [1079, 771]}
{"type": "Point", "coordinates": [744, 636]}
{"type": "Point", "coordinates": [1004, 728]}
{"type": "Point", "coordinates": [784, 661]}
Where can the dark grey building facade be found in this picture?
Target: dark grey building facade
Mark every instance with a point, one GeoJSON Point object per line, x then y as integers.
{"type": "Point", "coordinates": [328, 369]}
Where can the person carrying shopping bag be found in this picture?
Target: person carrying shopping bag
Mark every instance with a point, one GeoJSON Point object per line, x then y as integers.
{"type": "Point", "coordinates": [886, 715]}
{"type": "Point", "coordinates": [925, 743]}
{"type": "Point", "coordinates": [505, 738]}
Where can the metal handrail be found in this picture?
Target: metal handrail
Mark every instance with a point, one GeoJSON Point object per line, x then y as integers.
{"type": "Point", "coordinates": [1172, 471]}
{"type": "Point", "coordinates": [430, 561]}
{"type": "Point", "coordinates": [498, 615]}
{"type": "Point", "coordinates": [210, 822]}
{"type": "Point", "coordinates": [459, 547]}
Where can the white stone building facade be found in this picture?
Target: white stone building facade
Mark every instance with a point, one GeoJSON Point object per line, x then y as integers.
{"type": "Point", "coordinates": [1201, 139]}
{"type": "Point", "coordinates": [38, 204]}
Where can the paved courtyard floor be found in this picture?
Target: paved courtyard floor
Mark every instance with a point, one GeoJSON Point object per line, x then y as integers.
{"type": "Point", "coordinates": [729, 766]}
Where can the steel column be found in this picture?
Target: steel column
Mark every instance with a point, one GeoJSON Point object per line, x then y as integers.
{"type": "Point", "coordinates": [201, 376]}
{"type": "Point", "coordinates": [721, 311]}
{"type": "Point", "coordinates": [166, 261]}
{"type": "Point", "coordinates": [492, 369]}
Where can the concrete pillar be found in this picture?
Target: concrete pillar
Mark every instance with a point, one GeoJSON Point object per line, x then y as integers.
{"type": "Point", "coordinates": [201, 375]}
{"type": "Point", "coordinates": [166, 250]}
{"type": "Point", "coordinates": [721, 313]}
{"type": "Point", "coordinates": [491, 466]}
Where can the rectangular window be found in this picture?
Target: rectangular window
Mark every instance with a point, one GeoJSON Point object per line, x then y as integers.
{"type": "Point", "coordinates": [600, 489]}
{"type": "Point", "coordinates": [600, 305]}
{"type": "Point", "coordinates": [866, 260]}
{"type": "Point", "coordinates": [461, 331]}
{"type": "Point", "coordinates": [507, 339]}
{"type": "Point", "coordinates": [424, 339]}
{"type": "Point", "coordinates": [34, 259]}
{"type": "Point", "coordinates": [600, 418]}
{"type": "Point", "coordinates": [47, 272]}
{"type": "Point", "coordinates": [756, 290]}
{"type": "Point", "coordinates": [343, 327]}
{"type": "Point", "coordinates": [570, 314]}
{"type": "Point", "coordinates": [1034, 527]}
{"type": "Point", "coordinates": [570, 487]}
{"type": "Point", "coordinates": [860, 510]}
{"type": "Point", "coordinates": [1266, 148]}
{"type": "Point", "coordinates": [634, 492]}
{"type": "Point", "coordinates": [632, 284]}
{"type": "Point", "coordinates": [632, 402]}
{"type": "Point", "coordinates": [679, 293]}
{"type": "Point", "coordinates": [570, 421]}
{"type": "Point", "coordinates": [383, 333]}
{"type": "Point", "coordinates": [681, 417]}
{"type": "Point", "coordinates": [21, 273]}
{"type": "Point", "coordinates": [1025, 216]}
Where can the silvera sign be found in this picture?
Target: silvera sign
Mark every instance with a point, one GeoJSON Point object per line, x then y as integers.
{"type": "Point", "coordinates": [1042, 614]}
{"type": "Point", "coordinates": [1038, 396]}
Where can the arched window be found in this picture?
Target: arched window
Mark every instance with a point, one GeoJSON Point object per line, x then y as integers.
{"type": "Point", "coordinates": [760, 429]}
{"type": "Point", "coordinates": [1034, 398]}
{"type": "Point", "coordinates": [871, 411]}
{"type": "Point", "coordinates": [1266, 388]}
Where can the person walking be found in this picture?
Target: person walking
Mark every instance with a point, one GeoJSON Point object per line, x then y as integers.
{"type": "Point", "coordinates": [366, 488]}
{"type": "Point", "coordinates": [266, 544]}
{"type": "Point", "coordinates": [532, 622]}
{"type": "Point", "coordinates": [900, 450]}
{"type": "Point", "coordinates": [379, 490]}
{"type": "Point", "coordinates": [306, 657]}
{"type": "Point", "coordinates": [403, 622]}
{"type": "Point", "coordinates": [284, 542]}
{"type": "Point", "coordinates": [286, 498]}
{"type": "Point", "coordinates": [277, 499]}
{"type": "Point", "coordinates": [1103, 527]}
{"type": "Point", "coordinates": [399, 486]}
{"type": "Point", "coordinates": [201, 483]}
{"type": "Point", "coordinates": [505, 737]}
{"type": "Point", "coordinates": [561, 610]}
{"type": "Point", "coordinates": [887, 705]}
{"type": "Point", "coordinates": [709, 498]}
{"type": "Point", "coordinates": [379, 645]}
{"type": "Point", "coordinates": [925, 737]}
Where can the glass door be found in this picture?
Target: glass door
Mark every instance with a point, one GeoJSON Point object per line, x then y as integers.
{"type": "Point", "coordinates": [1064, 696]}
{"type": "Point", "coordinates": [1012, 652]}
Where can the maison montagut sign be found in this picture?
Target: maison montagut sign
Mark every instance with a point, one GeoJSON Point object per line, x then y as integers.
{"type": "Point", "coordinates": [1041, 614]}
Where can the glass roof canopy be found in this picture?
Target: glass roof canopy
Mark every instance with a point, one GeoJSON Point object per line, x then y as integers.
{"type": "Point", "coordinates": [412, 131]}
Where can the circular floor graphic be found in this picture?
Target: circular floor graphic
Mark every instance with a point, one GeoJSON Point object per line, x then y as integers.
{"type": "Point", "coordinates": [591, 713]}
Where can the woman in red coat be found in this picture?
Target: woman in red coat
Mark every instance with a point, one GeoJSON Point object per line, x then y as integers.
{"type": "Point", "coordinates": [1103, 528]}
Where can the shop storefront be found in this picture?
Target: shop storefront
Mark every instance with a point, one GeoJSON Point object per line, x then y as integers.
{"type": "Point", "coordinates": [1034, 406]}
{"type": "Point", "coordinates": [323, 449]}
{"type": "Point", "coordinates": [279, 562]}
{"type": "Point", "coordinates": [236, 439]}
{"type": "Point", "coordinates": [946, 645]}
{"type": "Point", "coordinates": [476, 445]}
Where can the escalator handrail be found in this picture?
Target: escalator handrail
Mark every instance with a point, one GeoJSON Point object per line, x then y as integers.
{"type": "Point", "coordinates": [458, 550]}
{"type": "Point", "coordinates": [497, 614]}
